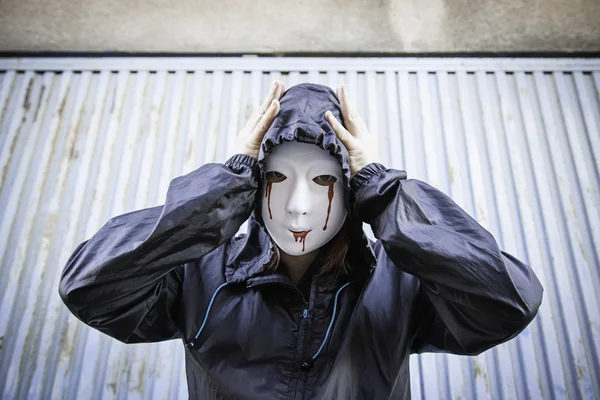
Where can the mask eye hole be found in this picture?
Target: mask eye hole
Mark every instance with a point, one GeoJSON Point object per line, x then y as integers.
{"type": "Point", "coordinates": [274, 176]}
{"type": "Point", "coordinates": [325, 180]}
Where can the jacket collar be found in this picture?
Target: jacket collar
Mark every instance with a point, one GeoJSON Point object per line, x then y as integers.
{"type": "Point", "coordinates": [251, 257]}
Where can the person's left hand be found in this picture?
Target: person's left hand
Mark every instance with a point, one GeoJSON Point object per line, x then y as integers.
{"type": "Point", "coordinates": [361, 146]}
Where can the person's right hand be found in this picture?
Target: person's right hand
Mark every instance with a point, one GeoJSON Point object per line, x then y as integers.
{"type": "Point", "coordinates": [250, 137]}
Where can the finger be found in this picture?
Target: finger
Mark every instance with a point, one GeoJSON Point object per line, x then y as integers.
{"type": "Point", "coordinates": [274, 93]}
{"type": "Point", "coordinates": [262, 109]}
{"type": "Point", "coordinates": [340, 131]}
{"type": "Point", "coordinates": [282, 89]}
{"type": "Point", "coordinates": [344, 103]}
{"type": "Point", "coordinates": [265, 122]}
{"type": "Point", "coordinates": [348, 110]}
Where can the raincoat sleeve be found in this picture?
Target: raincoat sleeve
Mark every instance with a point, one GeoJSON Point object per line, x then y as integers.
{"type": "Point", "coordinates": [472, 295]}
{"type": "Point", "coordinates": [126, 280]}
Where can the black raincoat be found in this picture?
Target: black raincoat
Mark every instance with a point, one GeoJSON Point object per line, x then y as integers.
{"type": "Point", "coordinates": [434, 281]}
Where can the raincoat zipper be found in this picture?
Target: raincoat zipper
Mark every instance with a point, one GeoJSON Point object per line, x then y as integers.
{"type": "Point", "coordinates": [305, 312]}
{"type": "Point", "coordinates": [305, 332]}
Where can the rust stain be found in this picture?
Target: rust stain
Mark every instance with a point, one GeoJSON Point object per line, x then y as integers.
{"type": "Point", "coordinates": [582, 249]}
{"type": "Point", "coordinates": [157, 370]}
{"type": "Point", "coordinates": [26, 101]}
{"type": "Point", "coordinates": [39, 104]}
{"type": "Point", "coordinates": [573, 206]}
{"type": "Point", "coordinates": [11, 152]}
{"type": "Point", "coordinates": [51, 223]}
{"type": "Point", "coordinates": [33, 330]}
{"type": "Point", "coordinates": [3, 111]}
{"type": "Point", "coordinates": [138, 387]}
{"type": "Point", "coordinates": [61, 109]}
{"type": "Point", "coordinates": [451, 173]}
{"type": "Point", "coordinates": [33, 350]}
{"type": "Point", "coordinates": [113, 387]}
{"type": "Point", "coordinates": [65, 355]}
{"type": "Point", "coordinates": [23, 360]}
{"type": "Point", "coordinates": [73, 153]}
{"type": "Point", "coordinates": [580, 371]}
{"type": "Point", "coordinates": [127, 367]}
{"type": "Point", "coordinates": [113, 99]}
{"type": "Point", "coordinates": [479, 371]}
{"type": "Point", "coordinates": [16, 273]}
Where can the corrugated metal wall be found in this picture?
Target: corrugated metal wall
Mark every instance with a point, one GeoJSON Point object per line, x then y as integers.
{"type": "Point", "coordinates": [516, 143]}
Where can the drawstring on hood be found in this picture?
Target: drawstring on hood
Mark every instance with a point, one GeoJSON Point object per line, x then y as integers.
{"type": "Point", "coordinates": [190, 345]}
{"type": "Point", "coordinates": [307, 365]}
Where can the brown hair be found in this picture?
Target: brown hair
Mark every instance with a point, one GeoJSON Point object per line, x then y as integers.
{"type": "Point", "coordinates": [334, 252]}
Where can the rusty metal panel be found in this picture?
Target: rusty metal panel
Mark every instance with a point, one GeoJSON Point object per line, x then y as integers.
{"type": "Point", "coordinates": [515, 142]}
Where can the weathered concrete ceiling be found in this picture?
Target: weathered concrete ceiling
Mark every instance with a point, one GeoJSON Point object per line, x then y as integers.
{"type": "Point", "coordinates": [330, 26]}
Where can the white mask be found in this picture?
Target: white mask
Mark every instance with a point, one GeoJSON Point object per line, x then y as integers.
{"type": "Point", "coordinates": [303, 198]}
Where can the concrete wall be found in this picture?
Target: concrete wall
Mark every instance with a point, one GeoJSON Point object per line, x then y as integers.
{"type": "Point", "coordinates": [286, 26]}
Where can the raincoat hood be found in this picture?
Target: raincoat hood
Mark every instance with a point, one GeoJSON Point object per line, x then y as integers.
{"type": "Point", "coordinates": [301, 118]}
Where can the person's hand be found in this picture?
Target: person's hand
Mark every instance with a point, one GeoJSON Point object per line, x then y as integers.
{"type": "Point", "coordinates": [361, 146]}
{"type": "Point", "coordinates": [249, 138]}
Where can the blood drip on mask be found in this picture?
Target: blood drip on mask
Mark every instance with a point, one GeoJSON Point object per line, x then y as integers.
{"type": "Point", "coordinates": [330, 194]}
{"type": "Point", "coordinates": [268, 196]}
{"type": "Point", "coordinates": [302, 237]}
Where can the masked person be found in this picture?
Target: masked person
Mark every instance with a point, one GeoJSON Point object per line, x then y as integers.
{"type": "Point", "coordinates": [303, 305]}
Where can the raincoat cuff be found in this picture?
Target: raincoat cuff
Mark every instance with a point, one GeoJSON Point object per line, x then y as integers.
{"type": "Point", "coordinates": [237, 161]}
{"type": "Point", "coordinates": [365, 174]}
